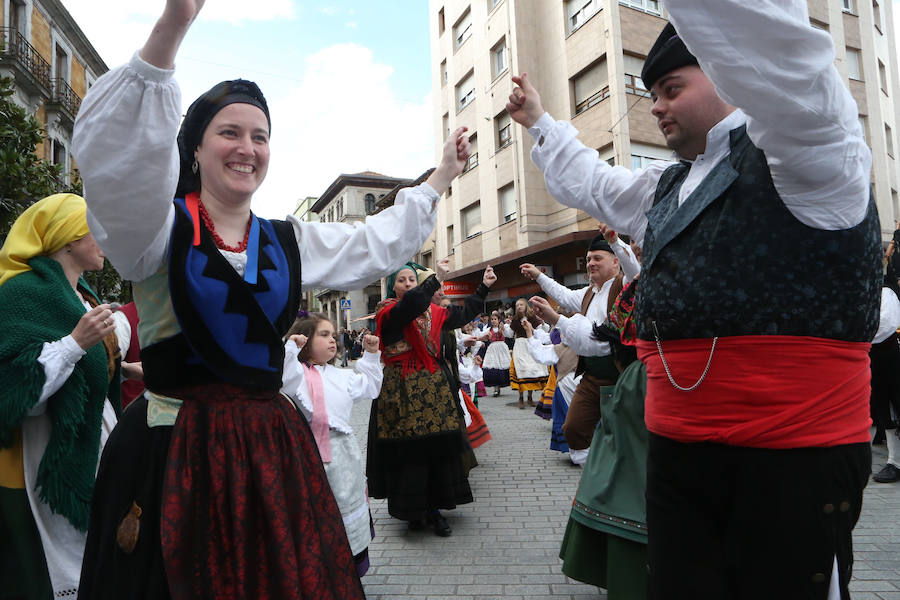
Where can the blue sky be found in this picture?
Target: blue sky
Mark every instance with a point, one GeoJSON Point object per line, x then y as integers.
{"type": "Point", "coordinates": [348, 83]}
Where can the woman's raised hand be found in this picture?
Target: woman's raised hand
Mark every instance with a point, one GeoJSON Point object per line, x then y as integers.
{"type": "Point", "coordinates": [442, 269]}
{"type": "Point", "coordinates": [299, 339]}
{"type": "Point", "coordinates": [453, 160]}
{"type": "Point", "coordinates": [489, 276]}
{"type": "Point", "coordinates": [168, 32]}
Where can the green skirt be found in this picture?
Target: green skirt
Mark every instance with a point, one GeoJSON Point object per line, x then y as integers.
{"type": "Point", "coordinates": [614, 563]}
{"type": "Point", "coordinates": [23, 569]}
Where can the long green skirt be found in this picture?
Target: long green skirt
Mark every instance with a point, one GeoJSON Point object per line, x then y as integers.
{"type": "Point", "coordinates": [614, 563]}
{"type": "Point", "coordinates": [23, 569]}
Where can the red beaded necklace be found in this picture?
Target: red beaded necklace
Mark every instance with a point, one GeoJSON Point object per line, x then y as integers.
{"type": "Point", "coordinates": [220, 244]}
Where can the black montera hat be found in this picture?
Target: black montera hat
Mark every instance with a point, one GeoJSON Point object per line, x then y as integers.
{"type": "Point", "coordinates": [667, 54]}
{"type": "Point", "coordinates": [600, 243]}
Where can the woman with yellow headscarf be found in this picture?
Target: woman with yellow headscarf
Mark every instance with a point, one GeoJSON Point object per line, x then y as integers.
{"type": "Point", "coordinates": [59, 368]}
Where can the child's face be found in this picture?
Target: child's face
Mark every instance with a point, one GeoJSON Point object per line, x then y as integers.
{"type": "Point", "coordinates": [467, 328]}
{"type": "Point", "coordinates": [323, 346]}
{"type": "Point", "coordinates": [521, 306]}
{"type": "Point", "coordinates": [495, 321]}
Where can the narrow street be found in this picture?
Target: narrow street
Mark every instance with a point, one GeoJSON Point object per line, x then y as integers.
{"type": "Point", "coordinates": [506, 543]}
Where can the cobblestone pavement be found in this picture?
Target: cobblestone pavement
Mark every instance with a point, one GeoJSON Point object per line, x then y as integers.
{"type": "Point", "coordinates": [506, 543]}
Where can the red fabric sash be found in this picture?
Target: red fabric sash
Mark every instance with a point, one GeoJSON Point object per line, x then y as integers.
{"type": "Point", "coordinates": [423, 334]}
{"type": "Point", "coordinates": [761, 391]}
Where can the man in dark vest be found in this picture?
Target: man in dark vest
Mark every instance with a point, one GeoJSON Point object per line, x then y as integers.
{"type": "Point", "coordinates": [758, 297]}
{"type": "Point", "coordinates": [610, 264]}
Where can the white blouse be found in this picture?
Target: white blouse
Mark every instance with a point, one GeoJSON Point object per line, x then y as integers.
{"type": "Point", "coordinates": [342, 387]}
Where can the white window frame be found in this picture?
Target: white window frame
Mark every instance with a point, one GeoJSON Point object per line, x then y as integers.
{"type": "Point", "coordinates": [503, 123]}
{"type": "Point", "coordinates": [499, 59]}
{"type": "Point", "coordinates": [472, 161]}
{"type": "Point", "coordinates": [462, 31]}
{"type": "Point", "coordinates": [579, 12]}
{"type": "Point", "coordinates": [57, 41]}
{"type": "Point", "coordinates": [474, 208]}
{"type": "Point", "coordinates": [889, 140]}
{"type": "Point", "coordinates": [506, 201]}
{"type": "Point", "coordinates": [27, 10]}
{"type": "Point", "coordinates": [854, 64]}
{"type": "Point", "coordinates": [847, 6]}
{"type": "Point", "coordinates": [464, 93]}
{"type": "Point", "coordinates": [648, 6]}
{"type": "Point", "coordinates": [586, 101]}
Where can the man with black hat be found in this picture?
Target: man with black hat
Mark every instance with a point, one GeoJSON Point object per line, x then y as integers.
{"type": "Point", "coordinates": [603, 261]}
{"type": "Point", "coordinates": [758, 378]}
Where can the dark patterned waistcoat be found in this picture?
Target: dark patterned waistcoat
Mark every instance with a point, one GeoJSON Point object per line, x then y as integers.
{"type": "Point", "coordinates": [732, 260]}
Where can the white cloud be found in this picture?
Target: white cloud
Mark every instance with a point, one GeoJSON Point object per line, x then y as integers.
{"type": "Point", "coordinates": [237, 11]}
{"type": "Point", "coordinates": [351, 25]}
{"type": "Point", "coordinates": [342, 118]}
{"type": "Point", "coordinates": [117, 29]}
{"type": "Point", "coordinates": [328, 10]}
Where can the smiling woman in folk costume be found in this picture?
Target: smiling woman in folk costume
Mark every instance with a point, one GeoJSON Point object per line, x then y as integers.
{"type": "Point", "coordinates": [59, 364]}
{"type": "Point", "coordinates": [213, 486]}
{"type": "Point", "coordinates": [416, 445]}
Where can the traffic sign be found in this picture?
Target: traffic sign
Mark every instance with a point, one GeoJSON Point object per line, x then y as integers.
{"type": "Point", "coordinates": [345, 304]}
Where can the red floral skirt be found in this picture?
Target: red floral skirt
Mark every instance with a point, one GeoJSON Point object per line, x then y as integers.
{"type": "Point", "coordinates": [247, 511]}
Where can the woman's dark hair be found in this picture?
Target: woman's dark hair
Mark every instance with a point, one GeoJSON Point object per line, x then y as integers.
{"type": "Point", "coordinates": [307, 326]}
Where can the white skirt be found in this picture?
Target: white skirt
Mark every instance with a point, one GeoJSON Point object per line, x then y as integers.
{"type": "Point", "coordinates": [347, 478]}
{"type": "Point", "coordinates": [526, 366]}
{"type": "Point", "coordinates": [496, 356]}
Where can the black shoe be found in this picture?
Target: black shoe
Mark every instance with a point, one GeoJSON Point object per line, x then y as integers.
{"type": "Point", "coordinates": [416, 525]}
{"type": "Point", "coordinates": [889, 474]}
{"type": "Point", "coordinates": [440, 525]}
{"type": "Point", "coordinates": [496, 392]}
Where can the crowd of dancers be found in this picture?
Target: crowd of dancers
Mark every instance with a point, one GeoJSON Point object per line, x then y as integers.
{"type": "Point", "coordinates": [713, 377]}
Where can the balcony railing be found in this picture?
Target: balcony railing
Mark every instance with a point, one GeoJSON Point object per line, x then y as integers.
{"type": "Point", "coordinates": [592, 100]}
{"type": "Point", "coordinates": [65, 96]}
{"type": "Point", "coordinates": [14, 46]}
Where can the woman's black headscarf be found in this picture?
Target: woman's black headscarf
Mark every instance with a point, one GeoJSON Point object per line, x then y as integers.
{"type": "Point", "coordinates": [198, 116]}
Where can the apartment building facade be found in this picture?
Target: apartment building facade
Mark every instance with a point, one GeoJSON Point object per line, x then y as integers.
{"type": "Point", "coordinates": [585, 57]}
{"type": "Point", "coordinates": [349, 199]}
{"type": "Point", "coordinates": [53, 65]}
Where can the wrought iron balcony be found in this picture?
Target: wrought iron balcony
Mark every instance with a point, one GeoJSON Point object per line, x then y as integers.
{"type": "Point", "coordinates": [64, 97]}
{"type": "Point", "coordinates": [32, 71]}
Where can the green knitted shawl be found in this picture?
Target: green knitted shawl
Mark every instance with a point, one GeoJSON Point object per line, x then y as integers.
{"type": "Point", "coordinates": [35, 307]}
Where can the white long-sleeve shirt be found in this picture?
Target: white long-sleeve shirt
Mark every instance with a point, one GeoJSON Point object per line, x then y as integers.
{"type": "Point", "coordinates": [342, 388]}
{"type": "Point", "coordinates": [58, 359]}
{"type": "Point", "coordinates": [571, 300]}
{"type": "Point", "coordinates": [889, 319]}
{"type": "Point", "coordinates": [766, 59]}
{"type": "Point", "coordinates": [125, 144]}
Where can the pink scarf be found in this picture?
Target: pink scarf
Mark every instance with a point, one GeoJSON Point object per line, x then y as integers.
{"type": "Point", "coordinates": [319, 423]}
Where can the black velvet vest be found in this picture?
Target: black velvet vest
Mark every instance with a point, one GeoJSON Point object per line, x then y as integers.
{"type": "Point", "coordinates": [732, 260]}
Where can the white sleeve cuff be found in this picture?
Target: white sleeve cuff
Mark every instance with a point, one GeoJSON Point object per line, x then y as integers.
{"type": "Point", "coordinates": [70, 350]}
{"type": "Point", "coordinates": [541, 127]}
{"type": "Point", "coordinates": [148, 71]}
